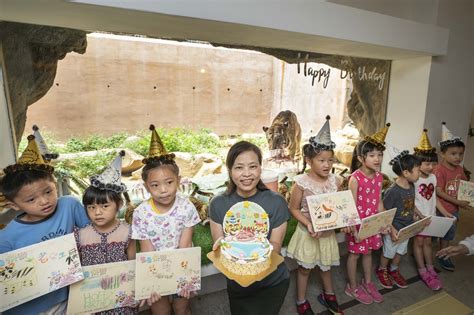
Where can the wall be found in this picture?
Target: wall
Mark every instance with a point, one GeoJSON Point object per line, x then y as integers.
{"type": "Point", "coordinates": [450, 95]}
{"type": "Point", "coordinates": [124, 83]}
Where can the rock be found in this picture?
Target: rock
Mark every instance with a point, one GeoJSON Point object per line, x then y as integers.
{"type": "Point", "coordinates": [343, 153]}
{"type": "Point", "coordinates": [31, 54]}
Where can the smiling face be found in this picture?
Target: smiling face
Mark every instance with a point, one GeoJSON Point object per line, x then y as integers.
{"type": "Point", "coordinates": [245, 173]}
{"type": "Point", "coordinates": [37, 199]}
{"type": "Point", "coordinates": [162, 184]}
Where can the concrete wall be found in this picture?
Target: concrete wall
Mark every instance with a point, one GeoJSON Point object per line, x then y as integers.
{"type": "Point", "coordinates": [450, 94]}
{"type": "Point", "coordinates": [125, 83]}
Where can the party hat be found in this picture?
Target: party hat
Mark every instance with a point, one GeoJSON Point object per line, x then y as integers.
{"type": "Point", "coordinates": [110, 179]}
{"type": "Point", "coordinates": [157, 149]}
{"type": "Point", "coordinates": [395, 154]}
{"type": "Point", "coordinates": [322, 141]}
{"type": "Point", "coordinates": [447, 137]}
{"type": "Point", "coordinates": [30, 159]}
{"type": "Point", "coordinates": [378, 138]}
{"type": "Point", "coordinates": [424, 146]}
{"type": "Point", "coordinates": [43, 148]}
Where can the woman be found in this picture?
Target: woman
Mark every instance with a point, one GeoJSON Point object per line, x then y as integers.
{"type": "Point", "coordinates": [244, 164]}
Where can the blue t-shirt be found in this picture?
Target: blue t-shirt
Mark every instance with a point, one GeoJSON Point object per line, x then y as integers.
{"type": "Point", "coordinates": [17, 234]}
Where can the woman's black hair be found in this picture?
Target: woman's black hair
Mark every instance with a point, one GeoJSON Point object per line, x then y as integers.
{"type": "Point", "coordinates": [156, 163]}
{"type": "Point", "coordinates": [405, 163]}
{"type": "Point", "coordinates": [11, 183]}
{"type": "Point", "coordinates": [362, 149]}
{"type": "Point", "coordinates": [237, 149]}
{"type": "Point", "coordinates": [310, 152]}
{"type": "Point", "coordinates": [93, 195]}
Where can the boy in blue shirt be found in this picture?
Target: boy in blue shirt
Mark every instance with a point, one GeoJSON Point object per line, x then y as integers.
{"type": "Point", "coordinates": [29, 186]}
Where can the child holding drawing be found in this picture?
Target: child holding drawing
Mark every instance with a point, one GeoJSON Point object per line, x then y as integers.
{"type": "Point", "coordinates": [309, 248]}
{"type": "Point", "coordinates": [366, 187]}
{"type": "Point", "coordinates": [401, 195]}
{"type": "Point", "coordinates": [426, 202]}
{"type": "Point", "coordinates": [30, 188]}
{"type": "Point", "coordinates": [106, 239]}
{"type": "Point", "coordinates": [166, 220]}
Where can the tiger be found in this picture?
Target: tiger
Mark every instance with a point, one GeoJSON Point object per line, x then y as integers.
{"type": "Point", "coordinates": [284, 135]}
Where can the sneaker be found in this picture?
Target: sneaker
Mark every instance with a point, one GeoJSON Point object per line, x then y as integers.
{"type": "Point", "coordinates": [434, 274]}
{"type": "Point", "coordinates": [304, 309]}
{"type": "Point", "coordinates": [384, 279]}
{"type": "Point", "coordinates": [398, 278]}
{"type": "Point", "coordinates": [446, 264]}
{"type": "Point", "coordinates": [430, 281]}
{"type": "Point", "coordinates": [373, 291]}
{"type": "Point", "coordinates": [359, 294]}
{"type": "Point", "coordinates": [330, 302]}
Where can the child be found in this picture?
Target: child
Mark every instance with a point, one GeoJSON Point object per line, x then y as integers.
{"type": "Point", "coordinates": [448, 173]}
{"type": "Point", "coordinates": [244, 164]}
{"type": "Point", "coordinates": [166, 220]}
{"type": "Point", "coordinates": [365, 184]}
{"type": "Point", "coordinates": [426, 203]}
{"type": "Point", "coordinates": [106, 239]}
{"type": "Point", "coordinates": [30, 187]}
{"type": "Point", "coordinates": [312, 249]}
{"type": "Point", "coordinates": [401, 195]}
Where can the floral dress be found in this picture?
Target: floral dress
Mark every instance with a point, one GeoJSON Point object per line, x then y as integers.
{"type": "Point", "coordinates": [102, 248]}
{"type": "Point", "coordinates": [307, 251]}
{"type": "Point", "coordinates": [368, 198]}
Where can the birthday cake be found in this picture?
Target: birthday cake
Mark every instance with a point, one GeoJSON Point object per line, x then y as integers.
{"type": "Point", "coordinates": [245, 249]}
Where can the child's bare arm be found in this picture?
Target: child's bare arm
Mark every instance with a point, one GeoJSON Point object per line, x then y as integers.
{"type": "Point", "coordinates": [186, 239]}
{"type": "Point", "coordinates": [295, 204]}
{"type": "Point", "coordinates": [442, 209]}
{"type": "Point", "coordinates": [146, 246]}
{"type": "Point", "coordinates": [132, 249]}
{"type": "Point", "coordinates": [460, 203]}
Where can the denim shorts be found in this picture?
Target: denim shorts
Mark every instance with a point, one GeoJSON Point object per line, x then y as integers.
{"type": "Point", "coordinates": [451, 234]}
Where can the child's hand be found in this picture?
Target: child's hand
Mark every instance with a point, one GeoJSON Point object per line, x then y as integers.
{"type": "Point", "coordinates": [449, 215]}
{"type": "Point", "coordinates": [463, 203]}
{"type": "Point", "coordinates": [311, 232]}
{"type": "Point", "coordinates": [427, 222]}
{"type": "Point", "coordinates": [186, 294]}
{"type": "Point", "coordinates": [217, 243]}
{"type": "Point", "coordinates": [346, 230]}
{"type": "Point", "coordinates": [393, 234]}
{"type": "Point", "coordinates": [386, 230]}
{"type": "Point", "coordinates": [154, 297]}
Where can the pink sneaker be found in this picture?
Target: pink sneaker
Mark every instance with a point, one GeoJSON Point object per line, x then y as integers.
{"type": "Point", "coordinates": [359, 294]}
{"type": "Point", "coordinates": [429, 280]}
{"type": "Point", "coordinates": [434, 274]}
{"type": "Point", "coordinates": [373, 291]}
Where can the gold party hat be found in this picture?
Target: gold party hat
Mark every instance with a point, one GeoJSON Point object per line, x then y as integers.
{"type": "Point", "coordinates": [424, 146]}
{"type": "Point", "coordinates": [30, 159]}
{"type": "Point", "coordinates": [157, 149]}
{"type": "Point", "coordinates": [378, 138]}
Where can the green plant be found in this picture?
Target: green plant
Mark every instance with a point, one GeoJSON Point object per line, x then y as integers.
{"type": "Point", "coordinates": [94, 142]}
{"type": "Point", "coordinates": [84, 167]}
